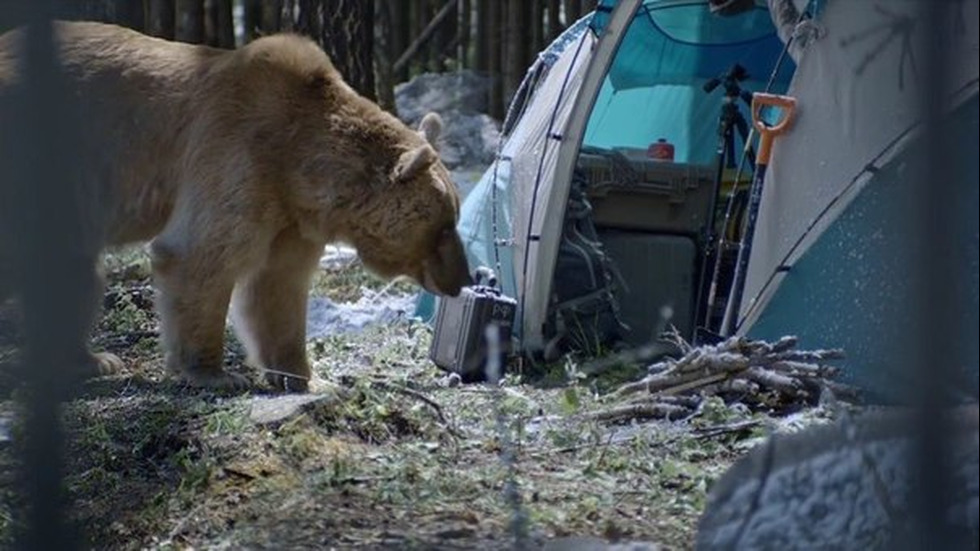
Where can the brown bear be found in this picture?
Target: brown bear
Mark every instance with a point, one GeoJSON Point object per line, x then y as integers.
{"type": "Point", "coordinates": [238, 166]}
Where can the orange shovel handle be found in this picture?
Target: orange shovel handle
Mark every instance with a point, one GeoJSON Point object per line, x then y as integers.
{"type": "Point", "coordinates": [767, 133]}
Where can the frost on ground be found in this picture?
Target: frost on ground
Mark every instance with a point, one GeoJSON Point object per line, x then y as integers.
{"type": "Point", "coordinates": [394, 454]}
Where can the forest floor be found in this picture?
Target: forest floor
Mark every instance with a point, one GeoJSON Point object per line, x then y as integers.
{"type": "Point", "coordinates": [393, 455]}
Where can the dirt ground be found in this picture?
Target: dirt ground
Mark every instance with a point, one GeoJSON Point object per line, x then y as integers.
{"type": "Point", "coordinates": [392, 454]}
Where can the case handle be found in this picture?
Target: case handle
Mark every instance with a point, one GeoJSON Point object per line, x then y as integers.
{"type": "Point", "coordinates": [485, 273]}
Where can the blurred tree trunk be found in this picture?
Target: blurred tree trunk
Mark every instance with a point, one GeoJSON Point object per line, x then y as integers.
{"type": "Point", "coordinates": [219, 26]}
{"type": "Point", "coordinates": [190, 21]}
{"type": "Point", "coordinates": [348, 38]}
{"type": "Point", "coordinates": [128, 13]}
{"type": "Point", "coordinates": [572, 10]}
{"type": "Point", "coordinates": [465, 16]}
{"type": "Point", "coordinates": [494, 58]}
{"type": "Point", "coordinates": [160, 18]}
{"type": "Point", "coordinates": [383, 36]}
{"type": "Point", "coordinates": [271, 17]}
{"type": "Point", "coordinates": [554, 21]}
{"type": "Point", "coordinates": [447, 37]}
{"type": "Point", "coordinates": [252, 12]}
{"type": "Point", "coordinates": [537, 27]}
{"type": "Point", "coordinates": [418, 21]}
{"type": "Point", "coordinates": [398, 18]}
{"type": "Point", "coordinates": [518, 41]}
{"type": "Point", "coordinates": [484, 40]}
{"type": "Point", "coordinates": [345, 31]}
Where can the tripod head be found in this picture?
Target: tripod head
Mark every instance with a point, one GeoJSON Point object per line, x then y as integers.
{"type": "Point", "coordinates": [729, 80]}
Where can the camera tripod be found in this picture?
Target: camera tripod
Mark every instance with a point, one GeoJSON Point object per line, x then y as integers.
{"type": "Point", "coordinates": [730, 121]}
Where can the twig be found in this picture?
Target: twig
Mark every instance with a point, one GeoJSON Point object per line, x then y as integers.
{"type": "Point", "coordinates": [696, 383]}
{"type": "Point", "coordinates": [422, 398]}
{"type": "Point", "coordinates": [782, 383]}
{"type": "Point", "coordinates": [638, 411]}
{"type": "Point", "coordinates": [718, 430]}
{"type": "Point", "coordinates": [602, 454]}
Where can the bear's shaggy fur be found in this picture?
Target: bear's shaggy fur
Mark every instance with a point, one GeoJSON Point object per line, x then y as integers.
{"type": "Point", "coordinates": [239, 166]}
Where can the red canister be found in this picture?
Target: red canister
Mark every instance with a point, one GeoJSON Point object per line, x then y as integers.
{"type": "Point", "coordinates": [661, 150]}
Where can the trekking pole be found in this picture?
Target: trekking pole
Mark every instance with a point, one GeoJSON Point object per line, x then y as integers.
{"type": "Point", "coordinates": [766, 136]}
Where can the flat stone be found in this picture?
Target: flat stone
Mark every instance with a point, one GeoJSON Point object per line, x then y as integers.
{"type": "Point", "coordinates": [596, 544]}
{"type": "Point", "coordinates": [267, 410]}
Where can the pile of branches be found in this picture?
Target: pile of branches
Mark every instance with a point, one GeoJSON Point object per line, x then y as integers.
{"type": "Point", "coordinates": [761, 375]}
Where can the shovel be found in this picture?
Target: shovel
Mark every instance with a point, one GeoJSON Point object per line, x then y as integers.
{"type": "Point", "coordinates": [767, 135]}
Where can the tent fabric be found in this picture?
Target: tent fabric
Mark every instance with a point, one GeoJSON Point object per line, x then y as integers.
{"type": "Point", "coordinates": [495, 209]}
{"type": "Point", "coordinates": [827, 258]}
{"type": "Point", "coordinates": [539, 272]}
{"type": "Point", "coordinates": [637, 101]}
{"type": "Point", "coordinates": [828, 248]}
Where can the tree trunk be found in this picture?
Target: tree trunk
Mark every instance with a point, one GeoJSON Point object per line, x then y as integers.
{"type": "Point", "coordinates": [160, 18]}
{"type": "Point", "coordinates": [484, 40]}
{"type": "Point", "coordinates": [383, 36]}
{"type": "Point", "coordinates": [128, 13]}
{"type": "Point", "coordinates": [537, 27]}
{"type": "Point", "coordinates": [418, 22]}
{"type": "Point", "coordinates": [211, 22]}
{"type": "Point", "coordinates": [572, 8]}
{"type": "Point", "coordinates": [397, 35]}
{"type": "Point", "coordinates": [252, 19]}
{"type": "Point", "coordinates": [465, 18]}
{"type": "Point", "coordinates": [345, 31]}
{"type": "Point", "coordinates": [446, 39]}
{"type": "Point", "coordinates": [348, 37]}
{"type": "Point", "coordinates": [494, 58]}
{"type": "Point", "coordinates": [554, 21]}
{"type": "Point", "coordinates": [272, 17]}
{"type": "Point", "coordinates": [518, 43]}
{"type": "Point", "coordinates": [190, 21]}
{"type": "Point", "coordinates": [219, 26]}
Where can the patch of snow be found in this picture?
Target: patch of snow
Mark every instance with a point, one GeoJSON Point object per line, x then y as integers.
{"type": "Point", "coordinates": [337, 256]}
{"type": "Point", "coordinates": [326, 317]}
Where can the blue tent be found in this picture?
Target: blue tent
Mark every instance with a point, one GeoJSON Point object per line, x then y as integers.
{"type": "Point", "coordinates": [828, 249]}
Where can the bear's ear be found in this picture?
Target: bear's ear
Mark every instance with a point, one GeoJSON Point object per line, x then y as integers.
{"type": "Point", "coordinates": [318, 81]}
{"type": "Point", "coordinates": [412, 162]}
{"type": "Point", "coordinates": [431, 127]}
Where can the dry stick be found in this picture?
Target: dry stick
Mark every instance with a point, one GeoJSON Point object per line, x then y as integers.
{"type": "Point", "coordinates": [707, 373]}
{"type": "Point", "coordinates": [424, 36]}
{"type": "Point", "coordinates": [638, 411]}
{"type": "Point", "coordinates": [782, 383]}
{"type": "Point", "coordinates": [602, 453]}
{"type": "Point", "coordinates": [424, 399]}
{"type": "Point", "coordinates": [718, 430]}
{"type": "Point", "coordinates": [703, 381]}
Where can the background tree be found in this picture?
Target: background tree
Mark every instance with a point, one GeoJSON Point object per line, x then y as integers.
{"type": "Point", "coordinates": [375, 44]}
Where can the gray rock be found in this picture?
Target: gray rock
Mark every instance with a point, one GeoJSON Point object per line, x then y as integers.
{"type": "Point", "coordinates": [470, 137]}
{"type": "Point", "coordinates": [463, 92]}
{"type": "Point", "coordinates": [841, 486]}
{"type": "Point", "coordinates": [596, 544]}
{"type": "Point", "coordinates": [267, 410]}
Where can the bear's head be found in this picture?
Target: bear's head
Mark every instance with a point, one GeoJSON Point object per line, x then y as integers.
{"type": "Point", "coordinates": [359, 174]}
{"type": "Point", "coordinates": [412, 232]}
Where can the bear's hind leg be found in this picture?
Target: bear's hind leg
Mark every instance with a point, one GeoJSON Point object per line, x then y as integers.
{"type": "Point", "coordinates": [269, 310]}
{"type": "Point", "coordinates": [194, 290]}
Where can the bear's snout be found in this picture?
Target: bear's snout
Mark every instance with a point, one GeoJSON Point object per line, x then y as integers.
{"type": "Point", "coordinates": [446, 271]}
